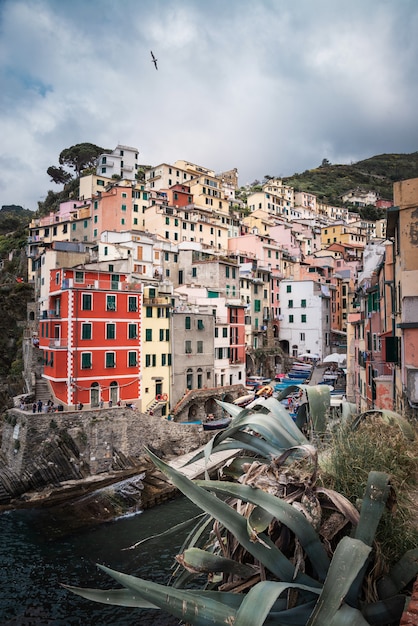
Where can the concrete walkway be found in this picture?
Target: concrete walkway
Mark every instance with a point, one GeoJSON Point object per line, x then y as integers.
{"type": "Point", "coordinates": [197, 469]}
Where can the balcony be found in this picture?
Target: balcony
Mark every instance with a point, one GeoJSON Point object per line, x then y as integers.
{"type": "Point", "coordinates": [59, 343]}
{"type": "Point", "coordinates": [157, 301]}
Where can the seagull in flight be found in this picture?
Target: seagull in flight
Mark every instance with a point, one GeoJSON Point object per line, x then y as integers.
{"type": "Point", "coordinates": [154, 60]}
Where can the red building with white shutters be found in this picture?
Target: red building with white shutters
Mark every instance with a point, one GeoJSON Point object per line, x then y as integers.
{"type": "Point", "coordinates": [91, 338]}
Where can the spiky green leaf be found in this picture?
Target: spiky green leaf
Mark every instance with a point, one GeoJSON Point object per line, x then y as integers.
{"type": "Point", "coordinates": [267, 553]}
{"type": "Point", "coordinates": [281, 510]}
{"type": "Point", "coordinates": [349, 557]}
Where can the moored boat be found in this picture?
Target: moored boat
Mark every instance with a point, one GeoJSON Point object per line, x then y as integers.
{"type": "Point", "coordinates": [216, 424]}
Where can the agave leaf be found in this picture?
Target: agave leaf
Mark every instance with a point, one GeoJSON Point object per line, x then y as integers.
{"type": "Point", "coordinates": [268, 426]}
{"type": "Point", "coordinates": [349, 557]}
{"type": "Point", "coordinates": [373, 505]}
{"type": "Point", "coordinates": [284, 393]}
{"type": "Point", "coordinates": [197, 560]}
{"type": "Point", "coordinates": [258, 602]}
{"type": "Point", "coordinates": [278, 410]}
{"type": "Point", "coordinates": [349, 409]}
{"type": "Point", "coordinates": [180, 577]}
{"type": "Point", "coordinates": [348, 616]}
{"type": "Point", "coordinates": [258, 520]}
{"type": "Point", "coordinates": [115, 597]}
{"type": "Point", "coordinates": [236, 467]}
{"type": "Point", "coordinates": [389, 417]}
{"type": "Point", "coordinates": [340, 503]}
{"type": "Point", "coordinates": [281, 510]}
{"type": "Point", "coordinates": [319, 398]}
{"type": "Point", "coordinates": [165, 533]}
{"type": "Point", "coordinates": [231, 408]}
{"type": "Point", "coordinates": [199, 609]}
{"type": "Point", "coordinates": [267, 553]}
{"type": "Point", "coordinates": [401, 574]}
{"type": "Point", "coordinates": [257, 445]}
{"type": "Point", "coordinates": [386, 611]}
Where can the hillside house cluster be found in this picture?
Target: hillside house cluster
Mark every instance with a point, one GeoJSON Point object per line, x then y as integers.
{"type": "Point", "coordinates": [149, 290]}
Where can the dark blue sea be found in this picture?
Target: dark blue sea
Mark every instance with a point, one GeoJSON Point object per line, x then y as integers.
{"type": "Point", "coordinates": [37, 554]}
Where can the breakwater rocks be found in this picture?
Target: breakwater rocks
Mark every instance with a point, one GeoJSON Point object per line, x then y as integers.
{"type": "Point", "coordinates": [52, 457]}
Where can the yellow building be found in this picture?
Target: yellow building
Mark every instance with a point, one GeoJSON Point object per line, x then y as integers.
{"type": "Point", "coordinates": [339, 232]}
{"type": "Point", "coordinates": [155, 351]}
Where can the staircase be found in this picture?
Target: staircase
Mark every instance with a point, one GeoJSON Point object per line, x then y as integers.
{"type": "Point", "coordinates": [42, 391]}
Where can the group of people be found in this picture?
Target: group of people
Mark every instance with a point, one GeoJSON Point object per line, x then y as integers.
{"type": "Point", "coordinates": [47, 407]}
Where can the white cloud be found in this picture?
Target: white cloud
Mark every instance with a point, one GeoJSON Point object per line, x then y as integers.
{"type": "Point", "coordinates": [269, 87]}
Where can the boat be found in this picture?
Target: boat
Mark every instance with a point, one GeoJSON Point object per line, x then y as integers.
{"type": "Point", "coordinates": [244, 400]}
{"type": "Point", "coordinates": [219, 424]}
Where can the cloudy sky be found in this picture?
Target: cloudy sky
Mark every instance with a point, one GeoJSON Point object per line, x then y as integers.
{"type": "Point", "coordinates": [266, 86]}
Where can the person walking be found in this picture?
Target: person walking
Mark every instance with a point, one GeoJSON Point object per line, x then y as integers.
{"type": "Point", "coordinates": [39, 406]}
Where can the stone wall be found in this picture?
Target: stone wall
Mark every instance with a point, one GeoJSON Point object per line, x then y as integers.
{"type": "Point", "coordinates": [46, 448]}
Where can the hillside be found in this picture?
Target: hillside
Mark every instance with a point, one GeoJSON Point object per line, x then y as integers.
{"type": "Point", "coordinates": [328, 182]}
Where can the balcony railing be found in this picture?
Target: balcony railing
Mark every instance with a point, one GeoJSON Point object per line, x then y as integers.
{"type": "Point", "coordinates": [61, 343]}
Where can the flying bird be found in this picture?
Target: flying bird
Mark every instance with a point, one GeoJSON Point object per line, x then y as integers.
{"type": "Point", "coordinates": [154, 60]}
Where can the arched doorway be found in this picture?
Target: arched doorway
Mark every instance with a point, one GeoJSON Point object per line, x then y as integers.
{"type": "Point", "coordinates": [192, 413]}
{"type": "Point", "coordinates": [284, 344]}
{"type": "Point", "coordinates": [94, 395]}
{"type": "Point", "coordinates": [199, 378]}
{"type": "Point", "coordinates": [211, 407]}
{"type": "Point", "coordinates": [114, 392]}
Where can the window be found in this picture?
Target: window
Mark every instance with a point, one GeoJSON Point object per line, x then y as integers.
{"type": "Point", "coordinates": [132, 331]}
{"type": "Point", "coordinates": [148, 311]}
{"type": "Point", "coordinates": [110, 359]}
{"type": "Point", "coordinates": [194, 272]}
{"type": "Point", "coordinates": [257, 306]}
{"type": "Point", "coordinates": [148, 334]}
{"type": "Point", "coordinates": [216, 331]}
{"type": "Point", "coordinates": [303, 304]}
{"type": "Point", "coordinates": [110, 303]}
{"type": "Point", "coordinates": [200, 325]}
{"type": "Point", "coordinates": [187, 322]}
{"type": "Point", "coordinates": [224, 332]}
{"type": "Point", "coordinates": [147, 360]}
{"type": "Point", "coordinates": [132, 359]}
{"type": "Point", "coordinates": [132, 303]}
{"type": "Point", "coordinates": [302, 336]}
{"type": "Point", "coordinates": [188, 347]}
{"type": "Point", "coordinates": [288, 288]}
{"type": "Point", "coordinates": [161, 334]}
{"type": "Point", "coordinates": [303, 318]}
{"type": "Point", "coordinates": [86, 361]}
{"type": "Point", "coordinates": [79, 277]}
{"type": "Point", "coordinates": [111, 331]}
{"type": "Point", "coordinates": [86, 331]}
{"type": "Point", "coordinates": [163, 359]}
{"type": "Point", "coordinates": [86, 302]}
{"type": "Point", "coordinates": [199, 347]}
{"type": "Point", "coordinates": [290, 319]}
{"type": "Point", "coordinates": [290, 304]}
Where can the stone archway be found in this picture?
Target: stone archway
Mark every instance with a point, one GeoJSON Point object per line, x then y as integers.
{"type": "Point", "coordinates": [211, 407]}
{"type": "Point", "coordinates": [193, 413]}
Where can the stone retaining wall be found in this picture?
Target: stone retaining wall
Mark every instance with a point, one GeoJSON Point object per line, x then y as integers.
{"type": "Point", "coordinates": [48, 447]}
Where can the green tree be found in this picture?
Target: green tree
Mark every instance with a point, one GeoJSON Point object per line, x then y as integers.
{"type": "Point", "coordinates": [58, 175]}
{"type": "Point", "coordinates": [80, 156]}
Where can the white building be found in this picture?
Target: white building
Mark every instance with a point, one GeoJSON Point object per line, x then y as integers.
{"type": "Point", "coordinates": [306, 323]}
{"type": "Point", "coordinates": [123, 162]}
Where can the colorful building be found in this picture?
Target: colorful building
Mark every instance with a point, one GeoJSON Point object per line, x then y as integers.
{"type": "Point", "coordinates": [91, 338]}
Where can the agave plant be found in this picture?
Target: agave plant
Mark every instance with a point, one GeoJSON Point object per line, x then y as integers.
{"type": "Point", "coordinates": [273, 545]}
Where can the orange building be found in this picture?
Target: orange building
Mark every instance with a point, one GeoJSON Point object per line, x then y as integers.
{"type": "Point", "coordinates": [91, 338]}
